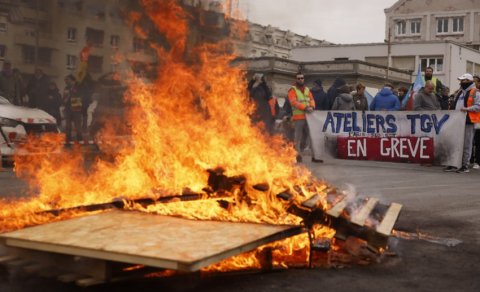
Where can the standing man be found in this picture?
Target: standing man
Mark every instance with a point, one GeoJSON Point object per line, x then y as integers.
{"type": "Point", "coordinates": [72, 101]}
{"type": "Point", "coordinates": [467, 100]}
{"type": "Point", "coordinates": [437, 84]}
{"type": "Point", "coordinates": [261, 95]}
{"type": "Point", "coordinates": [425, 99]}
{"type": "Point", "coordinates": [301, 100]}
{"type": "Point", "coordinates": [37, 89]}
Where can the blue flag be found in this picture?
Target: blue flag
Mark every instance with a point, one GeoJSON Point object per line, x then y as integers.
{"type": "Point", "coordinates": [407, 102]}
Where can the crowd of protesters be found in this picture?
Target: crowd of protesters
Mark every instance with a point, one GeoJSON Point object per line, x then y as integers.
{"type": "Point", "coordinates": [302, 100]}
{"type": "Point", "coordinates": [68, 107]}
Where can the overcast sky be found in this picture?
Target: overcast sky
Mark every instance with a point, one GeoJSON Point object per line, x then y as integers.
{"type": "Point", "coordinates": [337, 21]}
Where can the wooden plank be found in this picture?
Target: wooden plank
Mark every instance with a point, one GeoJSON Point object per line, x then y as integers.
{"type": "Point", "coordinates": [148, 239]}
{"type": "Point", "coordinates": [68, 278]}
{"type": "Point", "coordinates": [361, 216]}
{"type": "Point", "coordinates": [87, 282]}
{"type": "Point", "coordinates": [312, 202]}
{"type": "Point", "coordinates": [7, 258]}
{"type": "Point", "coordinates": [389, 220]}
{"type": "Point", "coordinates": [337, 210]}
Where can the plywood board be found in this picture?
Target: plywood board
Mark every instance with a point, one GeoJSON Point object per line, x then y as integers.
{"type": "Point", "coordinates": [148, 239]}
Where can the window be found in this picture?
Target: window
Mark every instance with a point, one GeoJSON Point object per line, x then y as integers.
{"type": "Point", "coordinates": [95, 36]}
{"type": "Point", "coordinates": [458, 24]}
{"type": "Point", "coordinates": [114, 41]}
{"type": "Point", "coordinates": [435, 62]}
{"type": "Point", "coordinates": [415, 26]}
{"type": "Point", "coordinates": [3, 51]}
{"type": "Point", "coordinates": [71, 61]}
{"type": "Point", "coordinates": [72, 34]}
{"type": "Point", "coordinates": [3, 26]}
{"type": "Point", "coordinates": [473, 68]}
{"type": "Point", "coordinates": [401, 27]}
{"type": "Point", "coordinates": [138, 45]}
{"type": "Point", "coordinates": [442, 25]}
{"type": "Point", "coordinates": [28, 54]}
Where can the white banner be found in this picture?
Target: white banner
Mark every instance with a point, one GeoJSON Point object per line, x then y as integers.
{"type": "Point", "coordinates": [403, 136]}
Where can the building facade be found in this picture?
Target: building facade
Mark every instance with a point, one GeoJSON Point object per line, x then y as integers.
{"type": "Point", "coordinates": [434, 20]}
{"type": "Point", "coordinates": [256, 40]}
{"type": "Point", "coordinates": [31, 38]}
{"type": "Point", "coordinates": [449, 60]}
{"type": "Point", "coordinates": [280, 73]}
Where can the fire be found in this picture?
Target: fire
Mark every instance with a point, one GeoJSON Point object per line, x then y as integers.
{"type": "Point", "coordinates": [192, 118]}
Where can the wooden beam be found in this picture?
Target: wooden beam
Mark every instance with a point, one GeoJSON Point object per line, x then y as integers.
{"type": "Point", "coordinates": [312, 202]}
{"type": "Point", "coordinates": [337, 210]}
{"type": "Point", "coordinates": [389, 220]}
{"type": "Point", "coordinates": [361, 216]}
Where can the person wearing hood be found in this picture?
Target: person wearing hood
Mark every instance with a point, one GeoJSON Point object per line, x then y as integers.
{"type": "Point", "coordinates": [385, 100]}
{"type": "Point", "coordinates": [344, 101]}
{"type": "Point", "coordinates": [467, 100]}
{"type": "Point", "coordinates": [333, 91]}
{"type": "Point", "coordinates": [261, 95]}
{"type": "Point", "coordinates": [425, 99]}
{"type": "Point", "coordinates": [301, 100]}
{"type": "Point", "coordinates": [320, 96]}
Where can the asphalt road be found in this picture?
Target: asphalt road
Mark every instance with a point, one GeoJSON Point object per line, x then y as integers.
{"type": "Point", "coordinates": [443, 205]}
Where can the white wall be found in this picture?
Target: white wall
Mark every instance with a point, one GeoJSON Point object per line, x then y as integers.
{"type": "Point", "coordinates": [455, 57]}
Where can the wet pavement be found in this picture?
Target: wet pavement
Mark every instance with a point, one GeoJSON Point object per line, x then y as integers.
{"type": "Point", "coordinates": [438, 251]}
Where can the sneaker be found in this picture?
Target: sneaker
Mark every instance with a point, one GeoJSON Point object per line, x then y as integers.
{"type": "Point", "coordinates": [475, 166]}
{"type": "Point", "coordinates": [314, 160]}
{"type": "Point", "coordinates": [450, 169]}
{"type": "Point", "coordinates": [463, 169]}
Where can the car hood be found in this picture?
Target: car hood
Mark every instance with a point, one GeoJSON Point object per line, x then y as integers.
{"type": "Point", "coordinates": [25, 114]}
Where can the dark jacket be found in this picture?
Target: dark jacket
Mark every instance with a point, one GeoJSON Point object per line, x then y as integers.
{"type": "Point", "coordinates": [53, 103]}
{"type": "Point", "coordinates": [37, 90]}
{"type": "Point", "coordinates": [321, 100]}
{"type": "Point", "coordinates": [333, 91]}
{"type": "Point", "coordinates": [361, 102]}
{"type": "Point", "coordinates": [260, 95]}
{"type": "Point", "coordinates": [385, 100]}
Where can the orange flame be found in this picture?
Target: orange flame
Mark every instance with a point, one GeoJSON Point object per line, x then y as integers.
{"type": "Point", "coordinates": [193, 117]}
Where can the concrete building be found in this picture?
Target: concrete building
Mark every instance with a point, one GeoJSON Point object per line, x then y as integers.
{"type": "Point", "coordinates": [448, 59]}
{"type": "Point", "coordinates": [280, 73]}
{"type": "Point", "coordinates": [31, 38]}
{"type": "Point", "coordinates": [434, 20]}
{"type": "Point", "coordinates": [255, 40]}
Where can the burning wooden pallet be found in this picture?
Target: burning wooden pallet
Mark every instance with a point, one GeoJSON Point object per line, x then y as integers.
{"type": "Point", "coordinates": [97, 248]}
{"type": "Point", "coordinates": [365, 218]}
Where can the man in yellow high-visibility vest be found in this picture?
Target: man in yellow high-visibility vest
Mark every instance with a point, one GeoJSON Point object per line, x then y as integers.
{"type": "Point", "coordinates": [302, 102]}
{"type": "Point", "coordinates": [437, 84]}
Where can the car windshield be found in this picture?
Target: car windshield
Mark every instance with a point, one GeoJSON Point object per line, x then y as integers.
{"type": "Point", "coordinates": [3, 100]}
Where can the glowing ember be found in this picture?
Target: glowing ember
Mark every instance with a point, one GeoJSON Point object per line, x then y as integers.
{"type": "Point", "coordinates": [192, 118]}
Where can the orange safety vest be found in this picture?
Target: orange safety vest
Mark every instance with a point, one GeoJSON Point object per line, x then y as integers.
{"type": "Point", "coordinates": [474, 116]}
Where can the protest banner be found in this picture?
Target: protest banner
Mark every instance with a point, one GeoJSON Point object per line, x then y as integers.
{"type": "Point", "coordinates": [403, 136]}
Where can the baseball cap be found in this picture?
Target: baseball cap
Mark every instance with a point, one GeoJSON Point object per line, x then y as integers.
{"type": "Point", "coordinates": [466, 76]}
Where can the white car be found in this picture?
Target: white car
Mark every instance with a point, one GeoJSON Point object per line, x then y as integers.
{"type": "Point", "coordinates": [16, 122]}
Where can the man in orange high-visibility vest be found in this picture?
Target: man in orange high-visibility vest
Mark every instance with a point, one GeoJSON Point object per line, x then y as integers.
{"type": "Point", "coordinates": [467, 100]}
{"type": "Point", "coordinates": [302, 102]}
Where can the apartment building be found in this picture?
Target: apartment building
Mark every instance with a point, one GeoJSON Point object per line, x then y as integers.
{"type": "Point", "coordinates": [434, 20]}
{"type": "Point", "coordinates": [49, 34]}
